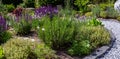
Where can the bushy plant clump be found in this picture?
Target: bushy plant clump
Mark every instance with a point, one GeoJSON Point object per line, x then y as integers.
{"type": "Point", "coordinates": [17, 48]}
{"type": "Point", "coordinates": [22, 24]}
{"type": "Point", "coordinates": [95, 35]}
{"type": "Point", "coordinates": [10, 7]}
{"type": "Point", "coordinates": [91, 38]}
{"type": "Point", "coordinates": [57, 32]}
{"type": "Point", "coordinates": [81, 4]}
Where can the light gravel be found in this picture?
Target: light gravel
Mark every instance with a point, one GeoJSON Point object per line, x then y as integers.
{"type": "Point", "coordinates": [114, 26]}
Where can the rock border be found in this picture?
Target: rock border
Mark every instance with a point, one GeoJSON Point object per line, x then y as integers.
{"type": "Point", "coordinates": [102, 51]}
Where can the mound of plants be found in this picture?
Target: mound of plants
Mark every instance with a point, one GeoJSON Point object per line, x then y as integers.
{"type": "Point", "coordinates": [17, 48]}
{"type": "Point", "coordinates": [72, 36]}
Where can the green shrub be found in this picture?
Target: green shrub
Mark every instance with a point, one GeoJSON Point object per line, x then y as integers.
{"type": "Point", "coordinates": [111, 13]}
{"type": "Point", "coordinates": [23, 27]}
{"type": "Point", "coordinates": [103, 14]}
{"type": "Point", "coordinates": [1, 53]}
{"type": "Point", "coordinates": [96, 10]}
{"type": "Point", "coordinates": [80, 48]}
{"type": "Point", "coordinates": [17, 48]}
{"type": "Point", "coordinates": [81, 4]}
{"type": "Point", "coordinates": [97, 35]}
{"type": "Point", "coordinates": [3, 8]}
{"type": "Point", "coordinates": [36, 23]}
{"type": "Point", "coordinates": [57, 32]}
{"type": "Point", "coordinates": [10, 7]}
{"type": "Point", "coordinates": [5, 36]}
{"type": "Point", "coordinates": [104, 6]}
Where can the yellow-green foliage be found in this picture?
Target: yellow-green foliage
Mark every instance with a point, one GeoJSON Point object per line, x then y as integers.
{"type": "Point", "coordinates": [1, 53]}
{"type": "Point", "coordinates": [17, 48]}
{"type": "Point", "coordinates": [97, 35]}
{"type": "Point", "coordinates": [24, 49]}
{"type": "Point", "coordinates": [44, 52]}
{"type": "Point", "coordinates": [89, 14]}
{"type": "Point", "coordinates": [104, 6]}
{"type": "Point", "coordinates": [103, 14]}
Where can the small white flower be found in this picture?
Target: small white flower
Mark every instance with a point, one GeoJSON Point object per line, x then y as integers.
{"type": "Point", "coordinates": [33, 40]}
{"type": "Point", "coordinates": [38, 27]}
{"type": "Point", "coordinates": [43, 29]}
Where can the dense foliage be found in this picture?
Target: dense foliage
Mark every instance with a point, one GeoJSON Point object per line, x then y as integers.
{"type": "Point", "coordinates": [17, 48]}
{"type": "Point", "coordinates": [22, 24]}
{"type": "Point", "coordinates": [57, 32]}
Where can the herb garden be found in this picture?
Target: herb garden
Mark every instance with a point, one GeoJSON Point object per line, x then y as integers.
{"type": "Point", "coordinates": [54, 29]}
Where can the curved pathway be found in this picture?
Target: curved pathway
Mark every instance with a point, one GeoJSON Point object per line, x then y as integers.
{"type": "Point", "coordinates": [114, 26]}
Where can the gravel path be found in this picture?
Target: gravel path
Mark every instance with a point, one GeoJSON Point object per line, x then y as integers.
{"type": "Point", "coordinates": [114, 26]}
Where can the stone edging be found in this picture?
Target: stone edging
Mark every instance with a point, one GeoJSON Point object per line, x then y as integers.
{"type": "Point", "coordinates": [100, 52]}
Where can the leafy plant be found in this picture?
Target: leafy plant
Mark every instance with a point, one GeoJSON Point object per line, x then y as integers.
{"type": "Point", "coordinates": [5, 36]}
{"type": "Point", "coordinates": [1, 53]}
{"type": "Point", "coordinates": [95, 35]}
{"type": "Point", "coordinates": [3, 8]}
{"type": "Point", "coordinates": [82, 4]}
{"type": "Point", "coordinates": [10, 7]}
{"type": "Point", "coordinates": [112, 13]}
{"type": "Point", "coordinates": [80, 48]}
{"type": "Point", "coordinates": [96, 10]}
{"type": "Point", "coordinates": [57, 32]}
{"type": "Point", "coordinates": [22, 25]}
{"type": "Point", "coordinates": [94, 22]}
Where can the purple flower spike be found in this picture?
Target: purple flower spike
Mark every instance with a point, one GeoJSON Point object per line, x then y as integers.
{"type": "Point", "coordinates": [45, 10]}
{"type": "Point", "coordinates": [3, 25]}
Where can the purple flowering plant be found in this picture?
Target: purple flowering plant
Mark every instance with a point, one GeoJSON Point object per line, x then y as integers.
{"type": "Point", "coordinates": [45, 10]}
{"type": "Point", "coordinates": [3, 24]}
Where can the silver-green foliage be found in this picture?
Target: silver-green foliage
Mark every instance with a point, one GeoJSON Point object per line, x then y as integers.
{"type": "Point", "coordinates": [57, 32]}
